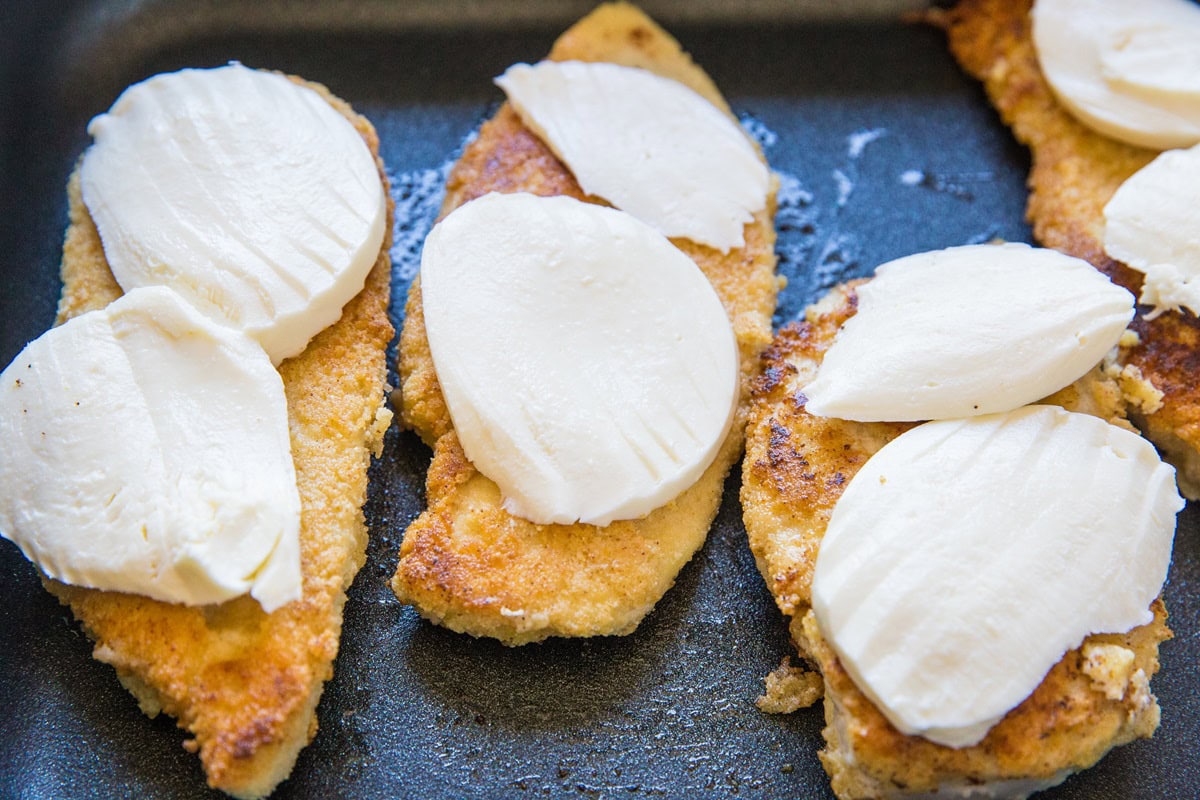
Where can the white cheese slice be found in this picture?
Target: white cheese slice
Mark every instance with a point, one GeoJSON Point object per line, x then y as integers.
{"type": "Point", "coordinates": [1129, 70]}
{"type": "Point", "coordinates": [966, 331]}
{"type": "Point", "coordinates": [967, 556]}
{"type": "Point", "coordinates": [146, 450]}
{"type": "Point", "coordinates": [1152, 224]}
{"type": "Point", "coordinates": [243, 191]}
{"type": "Point", "coordinates": [588, 365]}
{"type": "Point", "coordinates": [649, 145]}
{"type": "Point", "coordinates": [1157, 60]}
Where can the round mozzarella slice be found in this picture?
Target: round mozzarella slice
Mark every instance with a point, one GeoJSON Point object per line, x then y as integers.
{"type": "Point", "coordinates": [243, 191]}
{"type": "Point", "coordinates": [588, 366]}
{"type": "Point", "coordinates": [649, 145]}
{"type": "Point", "coordinates": [146, 450]}
{"type": "Point", "coordinates": [967, 331]}
{"type": "Point", "coordinates": [967, 556]}
{"type": "Point", "coordinates": [1129, 70]}
{"type": "Point", "coordinates": [1152, 224]}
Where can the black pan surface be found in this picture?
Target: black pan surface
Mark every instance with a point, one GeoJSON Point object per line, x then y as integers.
{"type": "Point", "coordinates": [884, 149]}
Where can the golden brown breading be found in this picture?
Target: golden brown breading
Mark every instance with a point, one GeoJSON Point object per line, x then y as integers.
{"type": "Point", "coordinates": [243, 682]}
{"type": "Point", "coordinates": [790, 688]}
{"type": "Point", "coordinates": [796, 464]}
{"type": "Point", "coordinates": [1075, 173]}
{"type": "Point", "coordinates": [465, 562]}
{"type": "Point", "coordinates": [796, 468]}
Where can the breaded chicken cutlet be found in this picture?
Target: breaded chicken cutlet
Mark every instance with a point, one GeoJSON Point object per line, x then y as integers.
{"type": "Point", "coordinates": [468, 564]}
{"type": "Point", "coordinates": [1075, 173]}
{"type": "Point", "coordinates": [797, 466]}
{"type": "Point", "coordinates": [245, 683]}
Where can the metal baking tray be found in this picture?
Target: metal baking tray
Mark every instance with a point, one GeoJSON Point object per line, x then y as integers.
{"type": "Point", "coordinates": [884, 149]}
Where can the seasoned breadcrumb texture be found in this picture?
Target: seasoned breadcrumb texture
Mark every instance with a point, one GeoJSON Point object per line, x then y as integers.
{"type": "Point", "coordinates": [796, 467]}
{"type": "Point", "coordinates": [790, 688]}
{"type": "Point", "coordinates": [1110, 667]}
{"type": "Point", "coordinates": [1075, 173]}
{"type": "Point", "coordinates": [244, 683]}
{"type": "Point", "coordinates": [1139, 392]}
{"type": "Point", "coordinates": [468, 564]}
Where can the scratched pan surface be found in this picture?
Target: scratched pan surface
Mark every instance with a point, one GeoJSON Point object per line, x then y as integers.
{"type": "Point", "coordinates": [884, 149]}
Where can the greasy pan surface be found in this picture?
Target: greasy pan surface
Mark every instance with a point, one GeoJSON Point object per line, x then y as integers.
{"type": "Point", "coordinates": [885, 149]}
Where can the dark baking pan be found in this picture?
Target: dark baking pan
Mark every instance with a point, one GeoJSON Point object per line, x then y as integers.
{"type": "Point", "coordinates": [884, 148]}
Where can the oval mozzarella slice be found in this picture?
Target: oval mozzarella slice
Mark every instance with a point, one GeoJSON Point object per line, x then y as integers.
{"type": "Point", "coordinates": [146, 450]}
{"type": "Point", "coordinates": [967, 331]}
{"type": "Point", "coordinates": [1129, 70]}
{"type": "Point", "coordinates": [967, 556]}
{"type": "Point", "coordinates": [243, 191]}
{"type": "Point", "coordinates": [1152, 224]}
{"type": "Point", "coordinates": [649, 145]}
{"type": "Point", "coordinates": [588, 366]}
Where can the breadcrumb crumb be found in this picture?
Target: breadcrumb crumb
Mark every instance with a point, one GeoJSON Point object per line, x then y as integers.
{"type": "Point", "coordinates": [790, 688]}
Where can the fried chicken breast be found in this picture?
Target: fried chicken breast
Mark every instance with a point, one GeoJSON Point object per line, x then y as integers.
{"type": "Point", "coordinates": [245, 683]}
{"type": "Point", "coordinates": [1075, 173]}
{"type": "Point", "coordinates": [466, 563]}
{"type": "Point", "coordinates": [796, 467]}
